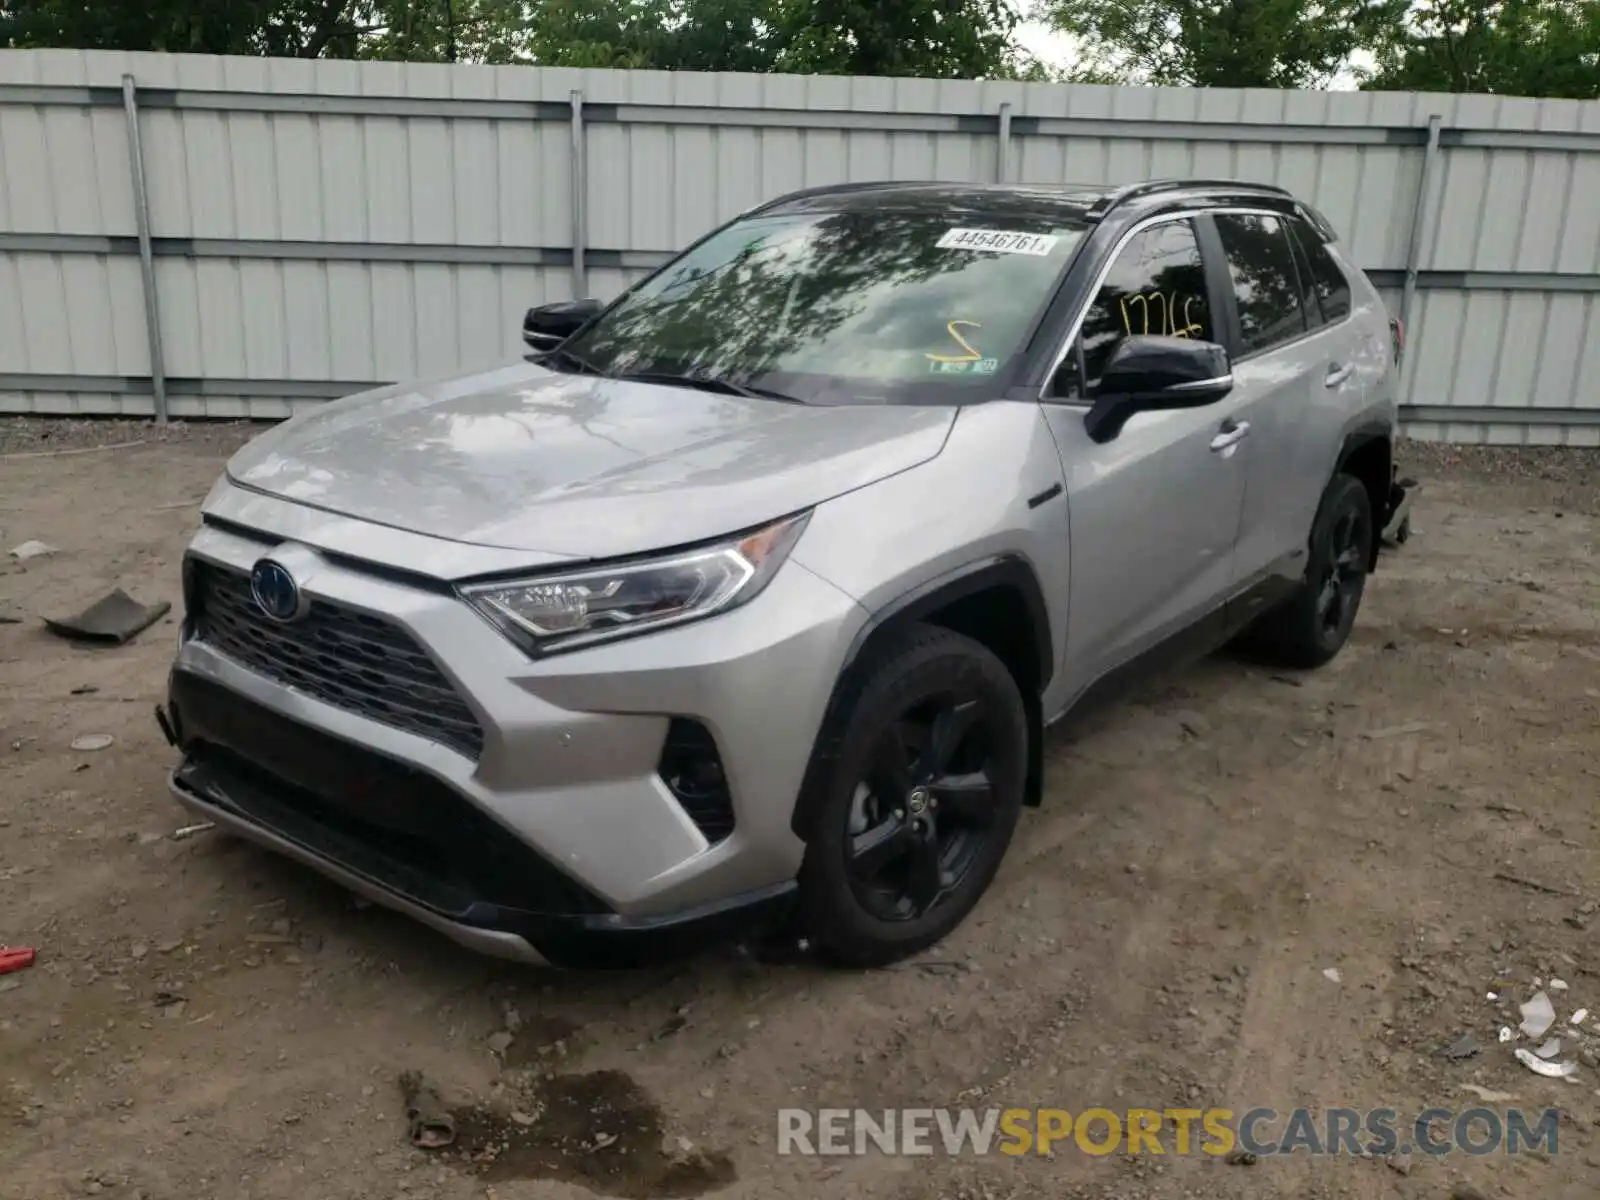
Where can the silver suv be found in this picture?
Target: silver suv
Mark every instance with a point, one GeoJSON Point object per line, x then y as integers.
{"type": "Point", "coordinates": [742, 603]}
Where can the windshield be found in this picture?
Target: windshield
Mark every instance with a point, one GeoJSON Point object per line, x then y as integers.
{"type": "Point", "coordinates": [848, 307]}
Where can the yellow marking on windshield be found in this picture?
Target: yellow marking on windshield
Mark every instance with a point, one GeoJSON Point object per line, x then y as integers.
{"type": "Point", "coordinates": [971, 355]}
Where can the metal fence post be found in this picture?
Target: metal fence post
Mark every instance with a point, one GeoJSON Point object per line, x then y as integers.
{"type": "Point", "coordinates": [1003, 149]}
{"type": "Point", "coordinates": [1419, 219]}
{"type": "Point", "coordinates": [580, 199]}
{"type": "Point", "coordinates": [147, 262]}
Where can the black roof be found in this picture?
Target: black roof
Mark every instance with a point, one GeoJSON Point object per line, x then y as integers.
{"type": "Point", "coordinates": [1088, 202]}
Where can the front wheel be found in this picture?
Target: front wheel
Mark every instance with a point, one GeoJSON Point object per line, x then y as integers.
{"type": "Point", "coordinates": [1312, 627]}
{"type": "Point", "coordinates": [919, 800]}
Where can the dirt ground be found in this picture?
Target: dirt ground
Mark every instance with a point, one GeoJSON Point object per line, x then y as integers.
{"type": "Point", "coordinates": [205, 1020]}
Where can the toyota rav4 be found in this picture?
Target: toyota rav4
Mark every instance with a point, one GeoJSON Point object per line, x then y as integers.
{"type": "Point", "coordinates": [743, 602]}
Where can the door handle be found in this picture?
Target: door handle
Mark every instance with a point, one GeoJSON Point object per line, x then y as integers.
{"type": "Point", "coordinates": [1338, 374]}
{"type": "Point", "coordinates": [1230, 435]}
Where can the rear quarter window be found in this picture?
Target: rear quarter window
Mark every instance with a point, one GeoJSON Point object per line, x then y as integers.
{"type": "Point", "coordinates": [1328, 280]}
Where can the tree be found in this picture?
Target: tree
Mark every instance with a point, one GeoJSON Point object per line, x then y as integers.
{"type": "Point", "coordinates": [955, 39]}
{"type": "Point", "coordinates": [1508, 47]}
{"type": "Point", "coordinates": [669, 35]}
{"type": "Point", "coordinates": [1222, 43]}
{"type": "Point", "coordinates": [930, 38]}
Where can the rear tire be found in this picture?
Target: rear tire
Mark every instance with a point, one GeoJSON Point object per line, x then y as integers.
{"type": "Point", "coordinates": [927, 758]}
{"type": "Point", "coordinates": [1312, 626]}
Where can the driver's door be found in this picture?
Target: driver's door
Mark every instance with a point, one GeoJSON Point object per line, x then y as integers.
{"type": "Point", "coordinates": [1154, 511]}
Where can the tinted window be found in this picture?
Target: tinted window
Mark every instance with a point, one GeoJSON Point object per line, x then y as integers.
{"type": "Point", "coordinates": [1156, 286]}
{"type": "Point", "coordinates": [1308, 290]}
{"type": "Point", "coordinates": [1265, 285]}
{"type": "Point", "coordinates": [1328, 280]}
{"type": "Point", "coordinates": [858, 306]}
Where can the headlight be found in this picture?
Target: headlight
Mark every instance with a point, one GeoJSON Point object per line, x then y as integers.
{"type": "Point", "coordinates": [546, 613]}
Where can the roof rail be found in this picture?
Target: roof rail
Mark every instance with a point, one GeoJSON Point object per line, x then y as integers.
{"type": "Point", "coordinates": [1155, 186]}
{"type": "Point", "coordinates": [826, 189]}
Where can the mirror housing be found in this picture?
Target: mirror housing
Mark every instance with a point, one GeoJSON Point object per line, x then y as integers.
{"type": "Point", "coordinates": [548, 325]}
{"type": "Point", "coordinates": [1148, 374]}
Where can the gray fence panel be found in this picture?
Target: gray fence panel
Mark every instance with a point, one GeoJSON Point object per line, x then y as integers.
{"type": "Point", "coordinates": [318, 227]}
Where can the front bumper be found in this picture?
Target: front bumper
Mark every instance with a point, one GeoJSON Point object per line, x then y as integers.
{"type": "Point", "coordinates": [573, 940]}
{"type": "Point", "coordinates": [556, 830]}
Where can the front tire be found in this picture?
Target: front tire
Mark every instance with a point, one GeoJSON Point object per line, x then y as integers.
{"type": "Point", "coordinates": [917, 799]}
{"type": "Point", "coordinates": [1312, 627]}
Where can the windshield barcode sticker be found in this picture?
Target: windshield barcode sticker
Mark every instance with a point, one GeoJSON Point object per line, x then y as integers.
{"type": "Point", "coordinates": [998, 240]}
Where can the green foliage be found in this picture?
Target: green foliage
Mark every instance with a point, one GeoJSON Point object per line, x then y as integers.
{"type": "Point", "coordinates": [930, 38]}
{"type": "Point", "coordinates": [669, 35]}
{"type": "Point", "coordinates": [1508, 47]}
{"type": "Point", "coordinates": [1523, 47]}
{"type": "Point", "coordinates": [956, 39]}
{"type": "Point", "coordinates": [1221, 43]}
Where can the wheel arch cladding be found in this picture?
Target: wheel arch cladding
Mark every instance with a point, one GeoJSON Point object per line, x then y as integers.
{"type": "Point", "coordinates": [1368, 454]}
{"type": "Point", "coordinates": [998, 603]}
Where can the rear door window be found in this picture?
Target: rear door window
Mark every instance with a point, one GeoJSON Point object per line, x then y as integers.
{"type": "Point", "coordinates": [1266, 285]}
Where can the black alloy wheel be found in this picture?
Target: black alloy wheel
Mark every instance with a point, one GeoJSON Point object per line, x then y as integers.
{"type": "Point", "coordinates": [923, 807]}
{"type": "Point", "coordinates": [914, 796]}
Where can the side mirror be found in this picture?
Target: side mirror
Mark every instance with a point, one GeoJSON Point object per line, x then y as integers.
{"type": "Point", "coordinates": [547, 326]}
{"type": "Point", "coordinates": [1147, 374]}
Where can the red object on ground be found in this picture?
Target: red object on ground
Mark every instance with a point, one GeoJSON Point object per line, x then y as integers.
{"type": "Point", "coordinates": [15, 958]}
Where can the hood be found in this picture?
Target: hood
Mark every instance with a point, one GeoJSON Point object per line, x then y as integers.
{"type": "Point", "coordinates": [528, 459]}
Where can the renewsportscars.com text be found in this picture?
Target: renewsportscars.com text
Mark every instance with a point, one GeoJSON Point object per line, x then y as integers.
{"type": "Point", "coordinates": [1263, 1132]}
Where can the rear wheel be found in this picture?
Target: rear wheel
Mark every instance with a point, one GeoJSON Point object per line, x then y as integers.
{"type": "Point", "coordinates": [918, 801]}
{"type": "Point", "coordinates": [1313, 625]}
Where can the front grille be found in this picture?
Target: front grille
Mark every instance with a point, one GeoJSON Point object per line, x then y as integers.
{"type": "Point", "coordinates": [360, 663]}
{"type": "Point", "coordinates": [395, 825]}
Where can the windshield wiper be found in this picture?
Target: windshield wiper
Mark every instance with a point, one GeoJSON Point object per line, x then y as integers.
{"type": "Point", "coordinates": [577, 360]}
{"type": "Point", "coordinates": [711, 383]}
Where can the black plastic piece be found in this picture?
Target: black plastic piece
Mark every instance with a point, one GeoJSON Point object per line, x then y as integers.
{"type": "Point", "coordinates": [167, 729]}
{"type": "Point", "coordinates": [1005, 571]}
{"type": "Point", "coordinates": [615, 941]}
{"type": "Point", "coordinates": [691, 767]}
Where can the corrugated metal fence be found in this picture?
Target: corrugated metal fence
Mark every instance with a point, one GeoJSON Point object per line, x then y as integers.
{"type": "Point", "coordinates": [302, 230]}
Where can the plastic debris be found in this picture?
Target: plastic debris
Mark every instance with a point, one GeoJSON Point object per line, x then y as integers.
{"type": "Point", "coordinates": [1579, 1017]}
{"type": "Point", "coordinates": [188, 831]}
{"type": "Point", "coordinates": [1491, 995]}
{"type": "Point", "coordinates": [1549, 1070]}
{"type": "Point", "coordinates": [15, 958]}
{"type": "Point", "coordinates": [115, 618]}
{"type": "Point", "coordinates": [1538, 1014]}
{"type": "Point", "coordinates": [92, 741]}
{"type": "Point", "coordinates": [431, 1125]}
{"type": "Point", "coordinates": [1550, 1049]}
{"type": "Point", "coordinates": [1398, 730]}
{"type": "Point", "coordinates": [1332, 975]}
{"type": "Point", "coordinates": [1505, 1034]}
{"type": "Point", "coordinates": [33, 549]}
